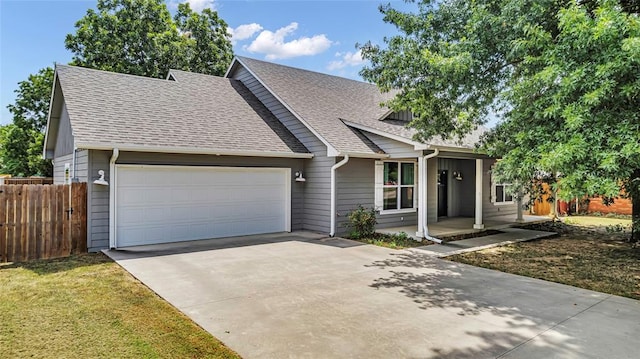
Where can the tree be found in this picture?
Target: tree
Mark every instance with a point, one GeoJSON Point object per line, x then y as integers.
{"type": "Point", "coordinates": [206, 40]}
{"type": "Point", "coordinates": [23, 140]}
{"type": "Point", "coordinates": [565, 77]}
{"type": "Point", "coordinates": [139, 37]}
{"type": "Point", "coordinates": [577, 104]}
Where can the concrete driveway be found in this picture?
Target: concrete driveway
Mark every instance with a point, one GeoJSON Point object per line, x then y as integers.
{"type": "Point", "coordinates": [301, 296]}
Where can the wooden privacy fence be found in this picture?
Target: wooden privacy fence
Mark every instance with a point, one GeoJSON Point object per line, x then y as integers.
{"type": "Point", "coordinates": [36, 221]}
{"type": "Point", "coordinates": [31, 180]}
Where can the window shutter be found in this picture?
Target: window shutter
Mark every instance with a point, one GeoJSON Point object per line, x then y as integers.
{"type": "Point", "coordinates": [416, 190]}
{"type": "Point", "coordinates": [379, 174]}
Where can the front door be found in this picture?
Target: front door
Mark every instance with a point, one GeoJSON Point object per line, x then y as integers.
{"type": "Point", "coordinates": [443, 182]}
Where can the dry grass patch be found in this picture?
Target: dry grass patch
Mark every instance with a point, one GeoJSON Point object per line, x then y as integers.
{"type": "Point", "coordinates": [87, 307]}
{"type": "Point", "coordinates": [580, 256]}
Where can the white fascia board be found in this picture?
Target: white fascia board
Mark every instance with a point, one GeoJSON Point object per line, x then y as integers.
{"type": "Point", "coordinates": [331, 151]}
{"type": "Point", "coordinates": [233, 62]}
{"type": "Point", "coordinates": [365, 155]}
{"type": "Point", "coordinates": [416, 145]}
{"type": "Point", "coordinates": [46, 131]}
{"type": "Point", "coordinates": [191, 150]}
{"type": "Point", "coordinates": [454, 149]}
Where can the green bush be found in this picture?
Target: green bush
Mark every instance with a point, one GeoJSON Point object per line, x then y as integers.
{"type": "Point", "coordinates": [362, 222]}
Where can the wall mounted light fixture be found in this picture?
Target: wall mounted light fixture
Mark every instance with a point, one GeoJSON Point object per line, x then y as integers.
{"type": "Point", "coordinates": [101, 181]}
{"type": "Point", "coordinates": [300, 177]}
{"type": "Point", "coordinates": [457, 175]}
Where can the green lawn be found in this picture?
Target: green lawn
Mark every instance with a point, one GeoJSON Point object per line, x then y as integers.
{"type": "Point", "coordinates": [87, 307]}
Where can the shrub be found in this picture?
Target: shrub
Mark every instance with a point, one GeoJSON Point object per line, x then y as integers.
{"type": "Point", "coordinates": [362, 222]}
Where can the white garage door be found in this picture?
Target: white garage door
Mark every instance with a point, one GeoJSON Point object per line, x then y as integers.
{"type": "Point", "coordinates": [161, 204]}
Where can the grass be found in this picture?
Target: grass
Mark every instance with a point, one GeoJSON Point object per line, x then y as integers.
{"type": "Point", "coordinates": [87, 307]}
{"type": "Point", "coordinates": [585, 255]}
{"type": "Point", "coordinates": [393, 241]}
{"type": "Point", "coordinates": [597, 221]}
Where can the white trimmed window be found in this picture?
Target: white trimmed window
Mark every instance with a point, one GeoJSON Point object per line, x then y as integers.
{"type": "Point", "coordinates": [500, 194]}
{"type": "Point", "coordinates": [395, 186]}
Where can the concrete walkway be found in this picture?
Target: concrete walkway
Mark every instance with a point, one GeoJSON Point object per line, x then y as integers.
{"type": "Point", "coordinates": [509, 235]}
{"type": "Point", "coordinates": [300, 295]}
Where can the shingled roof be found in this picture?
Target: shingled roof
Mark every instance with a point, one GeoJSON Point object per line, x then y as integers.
{"type": "Point", "coordinates": [206, 113]}
{"type": "Point", "coordinates": [330, 103]}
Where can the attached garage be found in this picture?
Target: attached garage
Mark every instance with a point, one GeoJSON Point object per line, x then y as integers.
{"type": "Point", "coordinates": [162, 204]}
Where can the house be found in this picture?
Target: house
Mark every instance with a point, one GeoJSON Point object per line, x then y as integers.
{"type": "Point", "coordinates": [266, 148]}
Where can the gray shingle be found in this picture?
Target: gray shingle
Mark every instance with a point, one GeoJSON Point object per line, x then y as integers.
{"type": "Point", "coordinates": [323, 101]}
{"type": "Point", "coordinates": [205, 112]}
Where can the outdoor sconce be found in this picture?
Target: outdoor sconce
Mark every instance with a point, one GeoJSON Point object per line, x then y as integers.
{"type": "Point", "coordinates": [300, 177]}
{"type": "Point", "coordinates": [457, 175]}
{"type": "Point", "coordinates": [101, 181]}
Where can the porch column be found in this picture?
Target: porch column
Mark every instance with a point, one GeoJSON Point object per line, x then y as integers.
{"type": "Point", "coordinates": [422, 194]}
{"type": "Point", "coordinates": [478, 224]}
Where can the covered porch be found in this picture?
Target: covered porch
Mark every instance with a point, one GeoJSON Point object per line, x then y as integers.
{"type": "Point", "coordinates": [446, 227]}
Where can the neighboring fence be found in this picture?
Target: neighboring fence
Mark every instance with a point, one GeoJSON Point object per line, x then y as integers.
{"type": "Point", "coordinates": [36, 223]}
{"type": "Point", "coordinates": [34, 180]}
{"type": "Point", "coordinates": [619, 206]}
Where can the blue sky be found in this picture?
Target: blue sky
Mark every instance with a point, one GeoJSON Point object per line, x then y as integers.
{"type": "Point", "coordinates": [317, 35]}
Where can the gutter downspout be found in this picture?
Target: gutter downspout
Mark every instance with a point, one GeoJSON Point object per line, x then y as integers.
{"type": "Point", "coordinates": [425, 227]}
{"type": "Point", "coordinates": [73, 168]}
{"type": "Point", "coordinates": [112, 198]}
{"type": "Point", "coordinates": [333, 193]}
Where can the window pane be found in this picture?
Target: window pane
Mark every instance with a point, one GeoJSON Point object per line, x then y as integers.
{"type": "Point", "coordinates": [390, 173]}
{"type": "Point", "coordinates": [390, 196]}
{"type": "Point", "coordinates": [407, 173]}
{"type": "Point", "coordinates": [406, 199]}
{"type": "Point", "coordinates": [499, 193]}
{"type": "Point", "coordinates": [507, 197]}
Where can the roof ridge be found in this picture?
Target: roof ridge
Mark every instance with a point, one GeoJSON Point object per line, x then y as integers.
{"type": "Point", "coordinates": [306, 70]}
{"type": "Point", "coordinates": [88, 69]}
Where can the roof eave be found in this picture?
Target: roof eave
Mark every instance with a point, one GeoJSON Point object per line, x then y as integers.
{"type": "Point", "coordinates": [46, 132]}
{"type": "Point", "coordinates": [416, 145]}
{"type": "Point", "coordinates": [191, 150]}
{"type": "Point", "coordinates": [377, 156]}
{"type": "Point", "coordinates": [454, 149]}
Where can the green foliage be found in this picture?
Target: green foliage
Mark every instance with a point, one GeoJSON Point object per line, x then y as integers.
{"type": "Point", "coordinates": [139, 37]}
{"type": "Point", "coordinates": [362, 222]}
{"type": "Point", "coordinates": [22, 141]}
{"type": "Point", "coordinates": [564, 75]}
{"type": "Point", "coordinates": [615, 228]}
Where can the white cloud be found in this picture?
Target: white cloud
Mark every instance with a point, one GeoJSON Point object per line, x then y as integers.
{"type": "Point", "coordinates": [273, 44]}
{"type": "Point", "coordinates": [348, 59]}
{"type": "Point", "coordinates": [196, 5]}
{"type": "Point", "coordinates": [243, 32]}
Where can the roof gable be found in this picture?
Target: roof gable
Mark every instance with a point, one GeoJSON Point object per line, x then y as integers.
{"type": "Point", "coordinates": [331, 105]}
{"type": "Point", "coordinates": [321, 100]}
{"type": "Point", "coordinates": [206, 113]}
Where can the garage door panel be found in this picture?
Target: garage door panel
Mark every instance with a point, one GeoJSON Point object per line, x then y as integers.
{"type": "Point", "coordinates": [158, 204]}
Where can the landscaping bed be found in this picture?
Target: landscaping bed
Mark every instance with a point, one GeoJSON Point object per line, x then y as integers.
{"type": "Point", "coordinates": [87, 306]}
{"type": "Point", "coordinates": [590, 256]}
{"type": "Point", "coordinates": [402, 240]}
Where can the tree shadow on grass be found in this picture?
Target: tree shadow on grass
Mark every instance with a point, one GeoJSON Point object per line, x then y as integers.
{"type": "Point", "coordinates": [57, 265]}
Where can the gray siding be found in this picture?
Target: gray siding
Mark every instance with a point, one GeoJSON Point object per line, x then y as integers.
{"type": "Point", "coordinates": [99, 195]}
{"type": "Point", "coordinates": [98, 201]}
{"type": "Point", "coordinates": [317, 171]}
{"type": "Point", "coordinates": [432, 190]}
{"type": "Point", "coordinates": [402, 116]}
{"type": "Point", "coordinates": [394, 149]}
{"type": "Point", "coordinates": [488, 208]}
{"type": "Point", "coordinates": [82, 161]}
{"type": "Point", "coordinates": [64, 137]}
{"type": "Point", "coordinates": [58, 167]}
{"type": "Point", "coordinates": [355, 186]}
